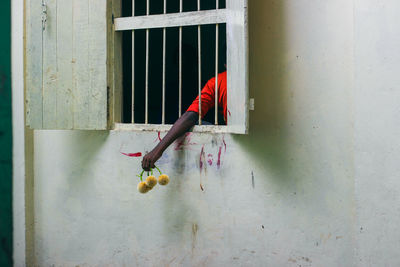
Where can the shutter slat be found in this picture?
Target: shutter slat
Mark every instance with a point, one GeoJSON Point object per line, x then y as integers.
{"type": "Point", "coordinates": [97, 64]}
{"type": "Point", "coordinates": [65, 97]}
{"type": "Point", "coordinates": [34, 98]}
{"type": "Point", "coordinates": [81, 66]}
{"type": "Point", "coordinates": [73, 91]}
{"type": "Point", "coordinates": [50, 75]}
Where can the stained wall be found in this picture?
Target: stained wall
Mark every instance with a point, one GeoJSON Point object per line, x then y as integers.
{"type": "Point", "coordinates": [300, 189]}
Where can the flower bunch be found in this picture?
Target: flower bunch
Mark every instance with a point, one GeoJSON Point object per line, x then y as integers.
{"type": "Point", "coordinates": [151, 181]}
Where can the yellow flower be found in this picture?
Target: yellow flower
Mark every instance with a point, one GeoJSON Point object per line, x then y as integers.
{"type": "Point", "coordinates": [151, 181]}
{"type": "Point", "coordinates": [143, 187]}
{"type": "Point", "coordinates": [163, 179]}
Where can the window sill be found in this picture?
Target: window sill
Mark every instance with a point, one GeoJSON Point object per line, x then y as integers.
{"type": "Point", "coordinates": [167, 127]}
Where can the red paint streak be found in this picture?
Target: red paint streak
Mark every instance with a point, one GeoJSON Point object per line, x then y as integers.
{"type": "Point", "coordinates": [201, 158]}
{"type": "Point", "coordinates": [219, 157]}
{"type": "Point", "coordinates": [132, 155]}
{"type": "Point", "coordinates": [229, 112]}
{"type": "Point", "coordinates": [223, 140]}
{"type": "Point", "coordinates": [184, 141]}
{"type": "Point", "coordinates": [158, 139]}
{"type": "Point", "coordinates": [180, 145]}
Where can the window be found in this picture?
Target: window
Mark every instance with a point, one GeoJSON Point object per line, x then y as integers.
{"type": "Point", "coordinates": [90, 65]}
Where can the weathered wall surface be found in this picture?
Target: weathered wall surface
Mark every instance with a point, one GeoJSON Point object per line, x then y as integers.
{"type": "Point", "coordinates": [377, 128]}
{"type": "Point", "coordinates": [282, 196]}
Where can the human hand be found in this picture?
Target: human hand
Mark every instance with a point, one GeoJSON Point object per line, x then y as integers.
{"type": "Point", "coordinates": [150, 159]}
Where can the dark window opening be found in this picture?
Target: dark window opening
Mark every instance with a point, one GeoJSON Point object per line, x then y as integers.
{"type": "Point", "coordinates": [157, 6]}
{"type": "Point", "coordinates": [189, 63]}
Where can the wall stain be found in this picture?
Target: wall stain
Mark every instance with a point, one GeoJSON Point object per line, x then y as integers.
{"type": "Point", "coordinates": [223, 141]}
{"type": "Point", "coordinates": [324, 238]}
{"type": "Point", "coordinates": [171, 261]}
{"type": "Point", "coordinates": [195, 228]}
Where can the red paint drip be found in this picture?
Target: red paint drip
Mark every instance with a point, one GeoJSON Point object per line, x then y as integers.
{"type": "Point", "coordinates": [223, 140]}
{"type": "Point", "coordinates": [229, 112]}
{"type": "Point", "coordinates": [132, 155]}
{"type": "Point", "coordinates": [158, 139]}
{"type": "Point", "coordinates": [219, 157]}
{"type": "Point", "coordinates": [200, 159]}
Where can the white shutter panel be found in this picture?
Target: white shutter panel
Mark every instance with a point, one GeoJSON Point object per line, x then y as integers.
{"type": "Point", "coordinates": [66, 64]}
{"type": "Point", "coordinates": [237, 58]}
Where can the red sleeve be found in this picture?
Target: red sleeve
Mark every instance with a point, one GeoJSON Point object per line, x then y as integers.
{"type": "Point", "coordinates": [207, 99]}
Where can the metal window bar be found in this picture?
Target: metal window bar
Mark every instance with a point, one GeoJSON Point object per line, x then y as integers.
{"type": "Point", "coordinates": [147, 68]}
{"type": "Point", "coordinates": [216, 65]}
{"type": "Point", "coordinates": [180, 61]}
{"type": "Point", "coordinates": [163, 75]}
{"type": "Point", "coordinates": [199, 50]}
{"type": "Point", "coordinates": [133, 67]}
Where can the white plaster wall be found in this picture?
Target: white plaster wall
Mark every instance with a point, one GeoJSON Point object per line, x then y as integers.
{"type": "Point", "coordinates": [377, 129]}
{"type": "Point", "coordinates": [311, 140]}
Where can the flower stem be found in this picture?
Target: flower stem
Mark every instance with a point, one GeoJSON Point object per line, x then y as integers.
{"type": "Point", "coordinates": [141, 176]}
{"type": "Point", "coordinates": [158, 170]}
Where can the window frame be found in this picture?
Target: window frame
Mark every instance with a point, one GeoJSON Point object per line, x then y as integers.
{"type": "Point", "coordinates": [235, 17]}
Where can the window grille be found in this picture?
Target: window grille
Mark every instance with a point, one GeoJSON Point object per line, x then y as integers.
{"type": "Point", "coordinates": [217, 17]}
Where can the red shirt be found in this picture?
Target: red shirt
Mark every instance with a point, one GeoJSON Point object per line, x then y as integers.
{"type": "Point", "coordinates": [208, 96]}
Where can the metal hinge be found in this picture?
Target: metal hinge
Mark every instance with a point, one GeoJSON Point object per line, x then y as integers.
{"type": "Point", "coordinates": [251, 104]}
{"type": "Point", "coordinates": [44, 15]}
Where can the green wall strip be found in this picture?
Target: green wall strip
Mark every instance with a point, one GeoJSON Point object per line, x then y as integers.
{"type": "Point", "coordinates": [5, 136]}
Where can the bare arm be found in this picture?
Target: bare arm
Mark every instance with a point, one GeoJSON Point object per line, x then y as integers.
{"type": "Point", "coordinates": [181, 126]}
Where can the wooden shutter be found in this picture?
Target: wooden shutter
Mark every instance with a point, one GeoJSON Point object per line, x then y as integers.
{"type": "Point", "coordinates": [237, 58]}
{"type": "Point", "coordinates": [68, 73]}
